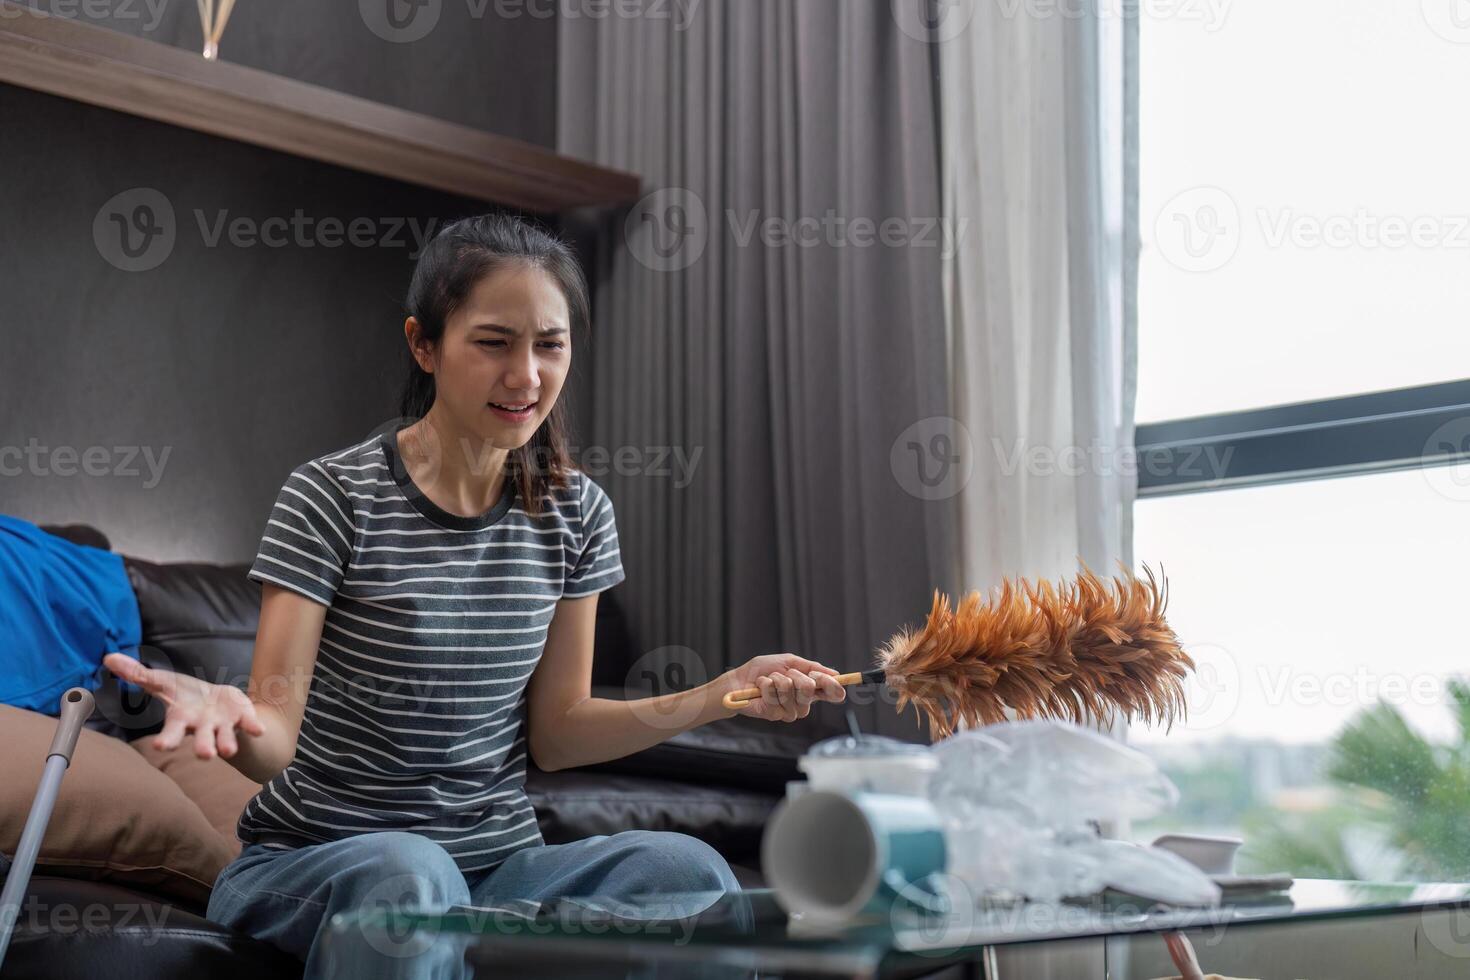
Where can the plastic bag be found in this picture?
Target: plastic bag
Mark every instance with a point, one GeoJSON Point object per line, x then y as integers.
{"type": "Point", "coordinates": [1018, 800]}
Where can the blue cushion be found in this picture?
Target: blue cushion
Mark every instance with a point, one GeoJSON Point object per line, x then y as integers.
{"type": "Point", "coordinates": [62, 606]}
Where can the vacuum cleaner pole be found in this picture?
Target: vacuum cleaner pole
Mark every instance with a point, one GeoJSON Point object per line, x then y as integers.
{"type": "Point", "coordinates": [76, 708]}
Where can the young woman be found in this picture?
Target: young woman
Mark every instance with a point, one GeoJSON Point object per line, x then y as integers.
{"type": "Point", "coordinates": [428, 599]}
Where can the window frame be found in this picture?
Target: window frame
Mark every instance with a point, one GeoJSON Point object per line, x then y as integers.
{"type": "Point", "coordinates": [1373, 432]}
{"type": "Point", "coordinates": [1356, 434]}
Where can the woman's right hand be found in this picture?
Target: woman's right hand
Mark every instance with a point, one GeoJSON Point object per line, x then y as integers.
{"type": "Point", "coordinates": [211, 712]}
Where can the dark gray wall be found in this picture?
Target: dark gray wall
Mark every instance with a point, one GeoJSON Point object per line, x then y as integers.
{"type": "Point", "coordinates": [490, 64]}
{"type": "Point", "coordinates": [238, 360]}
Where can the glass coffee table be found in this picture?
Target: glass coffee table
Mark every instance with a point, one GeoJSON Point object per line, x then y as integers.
{"type": "Point", "coordinates": [1333, 928]}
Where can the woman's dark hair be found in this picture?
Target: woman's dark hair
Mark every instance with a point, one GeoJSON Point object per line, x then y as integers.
{"type": "Point", "coordinates": [453, 262]}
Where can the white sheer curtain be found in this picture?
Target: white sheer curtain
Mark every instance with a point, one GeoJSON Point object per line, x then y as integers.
{"type": "Point", "coordinates": [1034, 166]}
{"type": "Point", "coordinates": [1033, 162]}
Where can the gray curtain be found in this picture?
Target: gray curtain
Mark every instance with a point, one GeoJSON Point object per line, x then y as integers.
{"type": "Point", "coordinates": [802, 375]}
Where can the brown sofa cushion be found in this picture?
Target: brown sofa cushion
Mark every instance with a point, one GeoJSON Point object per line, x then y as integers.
{"type": "Point", "coordinates": [217, 788]}
{"type": "Point", "coordinates": [116, 818]}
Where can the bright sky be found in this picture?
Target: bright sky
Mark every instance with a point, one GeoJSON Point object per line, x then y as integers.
{"type": "Point", "coordinates": [1279, 125]}
{"type": "Point", "coordinates": [1268, 129]}
{"type": "Point", "coordinates": [1303, 602]}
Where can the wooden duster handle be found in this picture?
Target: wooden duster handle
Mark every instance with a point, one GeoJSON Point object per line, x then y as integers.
{"type": "Point", "coordinates": [736, 700]}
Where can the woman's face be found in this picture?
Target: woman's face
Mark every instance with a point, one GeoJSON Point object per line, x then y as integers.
{"type": "Point", "coordinates": [508, 345]}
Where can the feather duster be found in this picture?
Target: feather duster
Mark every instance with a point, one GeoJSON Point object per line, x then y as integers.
{"type": "Point", "coordinates": [1078, 650]}
{"type": "Point", "coordinates": [1083, 649]}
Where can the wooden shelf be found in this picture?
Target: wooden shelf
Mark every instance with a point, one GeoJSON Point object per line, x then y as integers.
{"type": "Point", "coordinates": [96, 65]}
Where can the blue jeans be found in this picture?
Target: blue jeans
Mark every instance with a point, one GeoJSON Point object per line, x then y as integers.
{"type": "Point", "coordinates": [287, 897]}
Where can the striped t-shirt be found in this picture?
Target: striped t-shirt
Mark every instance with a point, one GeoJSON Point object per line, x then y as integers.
{"type": "Point", "coordinates": [415, 713]}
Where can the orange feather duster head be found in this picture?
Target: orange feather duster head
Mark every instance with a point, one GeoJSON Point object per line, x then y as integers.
{"type": "Point", "coordinates": [1083, 649]}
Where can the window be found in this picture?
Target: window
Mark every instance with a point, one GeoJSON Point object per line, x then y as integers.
{"type": "Point", "coordinates": [1303, 207]}
{"type": "Point", "coordinates": [1304, 437]}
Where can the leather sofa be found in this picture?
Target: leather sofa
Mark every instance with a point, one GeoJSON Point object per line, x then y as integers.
{"type": "Point", "coordinates": [719, 782]}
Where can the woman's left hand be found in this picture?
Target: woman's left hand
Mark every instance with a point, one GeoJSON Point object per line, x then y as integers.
{"type": "Point", "coordinates": [788, 685]}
